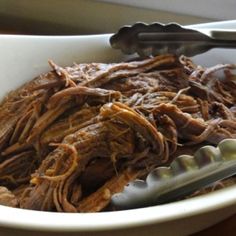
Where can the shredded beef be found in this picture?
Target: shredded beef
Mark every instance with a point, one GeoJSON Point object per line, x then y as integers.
{"type": "Point", "coordinates": [73, 137]}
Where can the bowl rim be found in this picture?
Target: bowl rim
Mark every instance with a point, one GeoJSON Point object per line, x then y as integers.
{"type": "Point", "coordinates": [90, 222]}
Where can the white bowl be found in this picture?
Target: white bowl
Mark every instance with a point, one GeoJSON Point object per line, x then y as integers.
{"type": "Point", "coordinates": [24, 57]}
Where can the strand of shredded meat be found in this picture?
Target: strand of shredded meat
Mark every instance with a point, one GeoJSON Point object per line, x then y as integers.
{"type": "Point", "coordinates": [73, 137]}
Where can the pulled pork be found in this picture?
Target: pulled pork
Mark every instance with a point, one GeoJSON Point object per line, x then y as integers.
{"type": "Point", "coordinates": [73, 137]}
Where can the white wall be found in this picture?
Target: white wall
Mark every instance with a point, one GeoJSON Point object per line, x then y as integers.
{"type": "Point", "coordinates": [81, 16]}
{"type": "Point", "coordinates": [214, 9]}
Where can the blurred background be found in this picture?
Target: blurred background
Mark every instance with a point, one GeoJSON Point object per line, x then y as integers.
{"type": "Point", "coordinates": [72, 17]}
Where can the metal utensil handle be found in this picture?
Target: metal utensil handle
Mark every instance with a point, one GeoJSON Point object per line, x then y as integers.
{"type": "Point", "coordinates": [229, 35]}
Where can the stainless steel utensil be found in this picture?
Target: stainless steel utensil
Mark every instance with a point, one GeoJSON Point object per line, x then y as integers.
{"type": "Point", "coordinates": [156, 38]}
{"type": "Point", "coordinates": [185, 175]}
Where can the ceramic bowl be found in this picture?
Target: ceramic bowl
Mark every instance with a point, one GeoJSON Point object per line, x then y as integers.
{"type": "Point", "coordinates": [24, 57]}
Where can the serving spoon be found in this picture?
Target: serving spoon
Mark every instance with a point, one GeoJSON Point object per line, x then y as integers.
{"type": "Point", "coordinates": [157, 38]}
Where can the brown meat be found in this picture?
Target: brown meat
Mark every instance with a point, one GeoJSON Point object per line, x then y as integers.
{"type": "Point", "coordinates": [73, 137]}
{"type": "Point", "coordinates": [122, 70]}
{"type": "Point", "coordinates": [89, 142]}
{"type": "Point", "coordinates": [193, 129]}
{"type": "Point", "coordinates": [101, 198]}
{"type": "Point", "coordinates": [7, 198]}
{"type": "Point", "coordinates": [65, 126]}
{"type": "Point", "coordinates": [16, 169]}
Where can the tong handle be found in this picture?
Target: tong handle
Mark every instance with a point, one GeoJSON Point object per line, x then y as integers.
{"type": "Point", "coordinates": [220, 34]}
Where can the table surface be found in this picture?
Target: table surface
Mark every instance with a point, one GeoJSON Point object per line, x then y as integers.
{"type": "Point", "coordinates": [226, 228]}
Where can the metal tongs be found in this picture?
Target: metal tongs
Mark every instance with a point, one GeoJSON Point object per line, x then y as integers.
{"type": "Point", "coordinates": [185, 175]}
{"type": "Point", "coordinates": [156, 38]}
